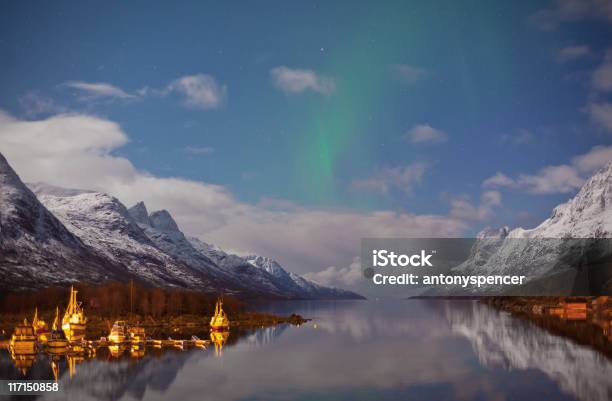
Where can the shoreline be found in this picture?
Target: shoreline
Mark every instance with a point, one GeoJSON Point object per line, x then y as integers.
{"type": "Point", "coordinates": [183, 325]}
{"type": "Point", "coordinates": [585, 320]}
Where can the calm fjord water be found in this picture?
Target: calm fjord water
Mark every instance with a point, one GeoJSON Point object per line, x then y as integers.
{"type": "Point", "coordinates": [358, 350]}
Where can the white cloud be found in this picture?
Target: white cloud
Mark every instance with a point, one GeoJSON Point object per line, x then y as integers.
{"type": "Point", "coordinates": [595, 159]}
{"type": "Point", "coordinates": [552, 179]}
{"type": "Point", "coordinates": [425, 133]}
{"type": "Point", "coordinates": [499, 180]}
{"type": "Point", "coordinates": [400, 178]}
{"type": "Point", "coordinates": [463, 209]}
{"type": "Point", "coordinates": [293, 80]}
{"type": "Point", "coordinates": [409, 74]}
{"type": "Point", "coordinates": [601, 114]}
{"type": "Point", "coordinates": [339, 276]}
{"type": "Point", "coordinates": [200, 91]}
{"type": "Point", "coordinates": [564, 178]}
{"type": "Point", "coordinates": [570, 11]}
{"type": "Point", "coordinates": [97, 90]}
{"type": "Point", "coordinates": [76, 151]}
{"type": "Point", "coordinates": [198, 150]}
{"type": "Point", "coordinates": [571, 53]}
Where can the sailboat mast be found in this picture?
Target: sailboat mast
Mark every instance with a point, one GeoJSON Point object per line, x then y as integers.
{"type": "Point", "coordinates": [56, 320]}
{"type": "Point", "coordinates": [69, 307]}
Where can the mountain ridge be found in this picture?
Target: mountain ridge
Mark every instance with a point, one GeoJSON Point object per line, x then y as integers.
{"type": "Point", "coordinates": [559, 246]}
{"type": "Point", "coordinates": [36, 246]}
{"type": "Point", "coordinates": [52, 236]}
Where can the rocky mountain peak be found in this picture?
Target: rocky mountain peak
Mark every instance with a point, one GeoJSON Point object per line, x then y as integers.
{"type": "Point", "coordinates": [8, 176]}
{"type": "Point", "coordinates": [163, 221]}
{"type": "Point", "coordinates": [493, 233]}
{"type": "Point", "coordinates": [22, 213]}
{"type": "Point", "coordinates": [267, 264]}
{"type": "Point", "coordinates": [140, 213]}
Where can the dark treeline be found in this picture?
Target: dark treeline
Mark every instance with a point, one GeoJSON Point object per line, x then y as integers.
{"type": "Point", "coordinates": [113, 299]}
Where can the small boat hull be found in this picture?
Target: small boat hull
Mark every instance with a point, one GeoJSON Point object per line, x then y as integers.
{"type": "Point", "coordinates": [219, 328]}
{"type": "Point", "coordinates": [25, 347]}
{"type": "Point", "coordinates": [53, 343]}
{"type": "Point", "coordinates": [75, 332]}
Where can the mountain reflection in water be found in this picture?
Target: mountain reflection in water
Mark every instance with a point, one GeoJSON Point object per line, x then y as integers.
{"type": "Point", "coordinates": [409, 350]}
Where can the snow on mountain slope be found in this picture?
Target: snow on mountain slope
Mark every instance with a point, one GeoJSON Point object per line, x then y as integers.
{"type": "Point", "coordinates": [269, 271]}
{"type": "Point", "coordinates": [241, 270]}
{"type": "Point", "coordinates": [560, 244]}
{"type": "Point", "coordinates": [587, 215]}
{"type": "Point", "coordinates": [307, 288]}
{"type": "Point", "coordinates": [36, 249]}
{"type": "Point", "coordinates": [166, 235]}
{"type": "Point", "coordinates": [104, 223]}
{"type": "Point", "coordinates": [267, 264]}
{"type": "Point", "coordinates": [163, 231]}
{"type": "Point", "coordinates": [63, 235]}
{"type": "Point", "coordinates": [160, 228]}
{"type": "Point", "coordinates": [487, 243]}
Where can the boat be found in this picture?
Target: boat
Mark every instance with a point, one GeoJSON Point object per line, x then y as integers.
{"type": "Point", "coordinates": [119, 333]}
{"type": "Point", "coordinates": [57, 339]}
{"type": "Point", "coordinates": [219, 338]}
{"type": "Point", "coordinates": [137, 334]}
{"type": "Point", "coordinates": [219, 321]}
{"type": "Point", "coordinates": [23, 340]}
{"type": "Point", "coordinates": [74, 320]}
{"type": "Point", "coordinates": [197, 342]}
{"type": "Point", "coordinates": [137, 351]}
{"type": "Point", "coordinates": [117, 350]}
{"type": "Point", "coordinates": [41, 330]}
{"type": "Point", "coordinates": [153, 342]}
{"type": "Point", "coordinates": [23, 361]}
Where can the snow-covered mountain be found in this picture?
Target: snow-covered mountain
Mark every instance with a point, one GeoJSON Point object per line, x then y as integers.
{"type": "Point", "coordinates": [36, 249]}
{"type": "Point", "coordinates": [587, 215]}
{"type": "Point", "coordinates": [103, 223]}
{"type": "Point", "coordinates": [577, 232]}
{"type": "Point", "coordinates": [298, 284]}
{"type": "Point", "coordinates": [269, 274]}
{"type": "Point", "coordinates": [51, 235]}
{"type": "Point", "coordinates": [161, 228]}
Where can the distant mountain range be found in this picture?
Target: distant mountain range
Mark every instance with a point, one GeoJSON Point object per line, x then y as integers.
{"type": "Point", "coordinates": [57, 236]}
